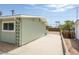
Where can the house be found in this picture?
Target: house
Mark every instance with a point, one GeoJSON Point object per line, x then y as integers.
{"type": "Point", "coordinates": [77, 29]}
{"type": "Point", "coordinates": [21, 29]}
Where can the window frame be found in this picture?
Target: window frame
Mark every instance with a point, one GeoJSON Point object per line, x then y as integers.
{"type": "Point", "coordinates": [8, 23]}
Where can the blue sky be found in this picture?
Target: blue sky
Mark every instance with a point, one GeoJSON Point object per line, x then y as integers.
{"type": "Point", "coordinates": [51, 12]}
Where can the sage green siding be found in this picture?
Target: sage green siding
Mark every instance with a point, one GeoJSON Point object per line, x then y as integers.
{"type": "Point", "coordinates": [9, 37]}
{"type": "Point", "coordinates": [32, 29]}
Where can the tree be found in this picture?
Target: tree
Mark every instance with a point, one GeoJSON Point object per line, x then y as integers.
{"type": "Point", "coordinates": [68, 25]}
{"type": "Point", "coordinates": [66, 29]}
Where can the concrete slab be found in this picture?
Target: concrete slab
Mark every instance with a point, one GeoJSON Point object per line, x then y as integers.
{"type": "Point", "coordinates": [48, 45]}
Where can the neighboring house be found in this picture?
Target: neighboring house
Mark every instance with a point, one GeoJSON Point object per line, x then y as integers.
{"type": "Point", "coordinates": [21, 29]}
{"type": "Point", "coordinates": [77, 29]}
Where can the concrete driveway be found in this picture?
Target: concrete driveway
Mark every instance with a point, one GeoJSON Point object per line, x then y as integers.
{"type": "Point", "coordinates": [47, 45]}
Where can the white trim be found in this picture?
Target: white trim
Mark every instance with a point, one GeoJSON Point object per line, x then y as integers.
{"type": "Point", "coordinates": [24, 16]}
{"type": "Point", "coordinates": [8, 22]}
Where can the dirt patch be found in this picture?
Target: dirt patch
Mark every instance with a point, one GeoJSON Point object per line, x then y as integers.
{"type": "Point", "coordinates": [73, 46]}
{"type": "Point", "coordinates": [6, 47]}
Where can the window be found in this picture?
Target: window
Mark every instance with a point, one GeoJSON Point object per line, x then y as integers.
{"type": "Point", "coordinates": [8, 26]}
{"type": "Point", "coordinates": [5, 26]}
{"type": "Point", "coordinates": [11, 26]}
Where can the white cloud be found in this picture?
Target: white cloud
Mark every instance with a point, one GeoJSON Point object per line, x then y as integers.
{"type": "Point", "coordinates": [32, 4]}
{"type": "Point", "coordinates": [69, 7]}
{"type": "Point", "coordinates": [49, 8]}
{"type": "Point", "coordinates": [57, 5]}
{"type": "Point", "coordinates": [60, 8]}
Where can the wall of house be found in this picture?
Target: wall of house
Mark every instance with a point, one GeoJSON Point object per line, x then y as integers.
{"type": "Point", "coordinates": [32, 29]}
{"type": "Point", "coordinates": [7, 36]}
{"type": "Point", "coordinates": [77, 30]}
{"type": "Point", "coordinates": [0, 29]}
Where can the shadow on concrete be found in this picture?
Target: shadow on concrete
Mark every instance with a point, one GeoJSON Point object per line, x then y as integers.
{"type": "Point", "coordinates": [6, 47]}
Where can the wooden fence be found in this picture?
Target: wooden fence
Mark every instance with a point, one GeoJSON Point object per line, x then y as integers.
{"type": "Point", "coordinates": [53, 29]}
{"type": "Point", "coordinates": [67, 34]}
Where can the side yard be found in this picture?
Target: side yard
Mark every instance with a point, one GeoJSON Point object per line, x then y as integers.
{"type": "Point", "coordinates": [73, 46]}
{"type": "Point", "coordinates": [49, 44]}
